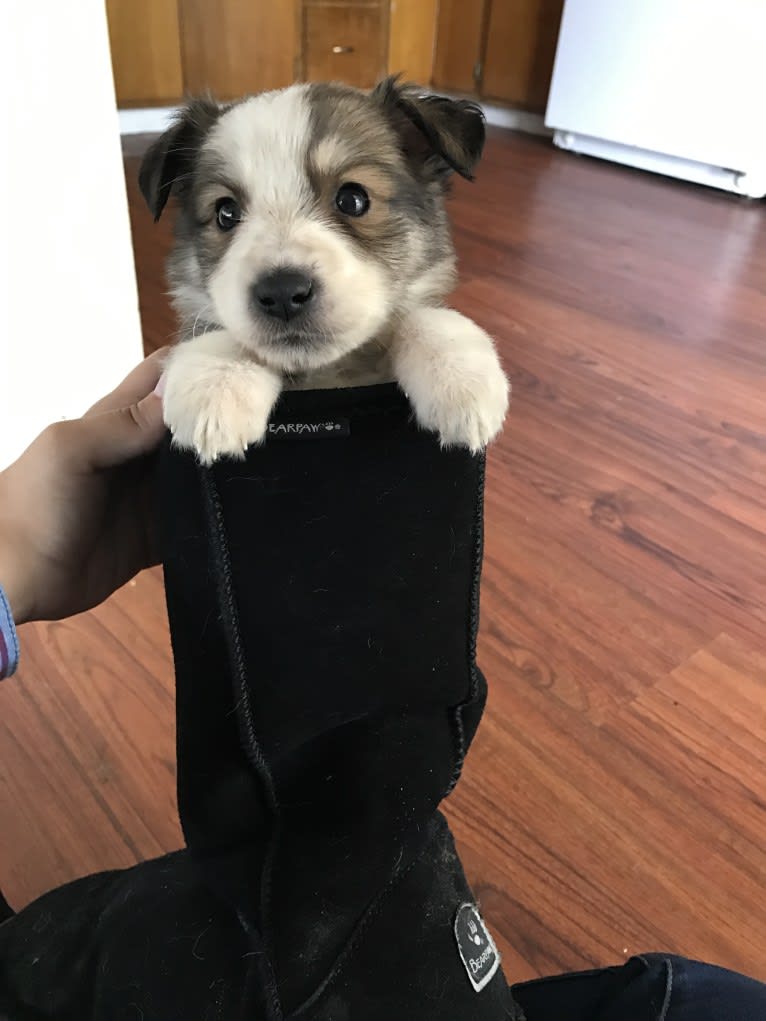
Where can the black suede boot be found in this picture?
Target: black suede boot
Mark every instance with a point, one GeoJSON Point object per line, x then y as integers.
{"type": "Point", "coordinates": [323, 601]}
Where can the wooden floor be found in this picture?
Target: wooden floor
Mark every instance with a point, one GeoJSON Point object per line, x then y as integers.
{"type": "Point", "coordinates": [615, 799]}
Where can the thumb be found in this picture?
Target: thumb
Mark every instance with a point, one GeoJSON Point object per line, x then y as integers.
{"type": "Point", "coordinates": [124, 433]}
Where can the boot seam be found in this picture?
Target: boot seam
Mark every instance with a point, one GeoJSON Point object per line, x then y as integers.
{"type": "Point", "coordinates": [227, 605]}
{"type": "Point", "coordinates": [230, 619]}
{"type": "Point", "coordinates": [669, 983]}
{"type": "Point", "coordinates": [354, 940]}
{"type": "Point", "coordinates": [474, 598]}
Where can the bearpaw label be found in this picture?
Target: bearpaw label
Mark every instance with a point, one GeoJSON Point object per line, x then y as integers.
{"type": "Point", "coordinates": [476, 947]}
{"type": "Point", "coordinates": [326, 429]}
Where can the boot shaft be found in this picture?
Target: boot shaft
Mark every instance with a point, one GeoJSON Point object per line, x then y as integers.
{"type": "Point", "coordinates": [323, 599]}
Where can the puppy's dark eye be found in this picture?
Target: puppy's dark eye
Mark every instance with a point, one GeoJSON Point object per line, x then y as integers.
{"type": "Point", "coordinates": [227, 213]}
{"type": "Point", "coordinates": [352, 200]}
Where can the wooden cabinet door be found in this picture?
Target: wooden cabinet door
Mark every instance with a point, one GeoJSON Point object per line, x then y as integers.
{"type": "Point", "coordinates": [521, 46]}
{"type": "Point", "coordinates": [345, 42]}
{"type": "Point", "coordinates": [146, 51]}
{"type": "Point", "coordinates": [459, 42]}
{"type": "Point", "coordinates": [412, 35]}
{"type": "Point", "coordinates": [236, 47]}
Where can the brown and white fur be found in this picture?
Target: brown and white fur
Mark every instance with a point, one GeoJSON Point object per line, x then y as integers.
{"type": "Point", "coordinates": [258, 184]}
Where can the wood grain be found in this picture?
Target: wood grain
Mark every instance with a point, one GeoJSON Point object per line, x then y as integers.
{"type": "Point", "coordinates": [345, 42]}
{"type": "Point", "coordinates": [614, 798]}
{"type": "Point", "coordinates": [412, 38]}
{"type": "Point", "coordinates": [232, 48]}
{"type": "Point", "coordinates": [520, 47]}
{"type": "Point", "coordinates": [151, 244]}
{"type": "Point", "coordinates": [87, 744]}
{"type": "Point", "coordinates": [459, 44]}
{"type": "Point", "coordinates": [146, 51]}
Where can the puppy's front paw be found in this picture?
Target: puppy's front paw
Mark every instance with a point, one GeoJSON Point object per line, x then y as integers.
{"type": "Point", "coordinates": [465, 412]}
{"type": "Point", "coordinates": [449, 368]}
{"type": "Point", "coordinates": [216, 407]}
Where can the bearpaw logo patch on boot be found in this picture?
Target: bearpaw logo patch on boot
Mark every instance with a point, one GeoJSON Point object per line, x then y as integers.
{"type": "Point", "coordinates": [477, 948]}
{"type": "Point", "coordinates": [310, 429]}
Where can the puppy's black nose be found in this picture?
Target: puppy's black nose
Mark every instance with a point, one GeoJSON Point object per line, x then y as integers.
{"type": "Point", "coordinates": [283, 293]}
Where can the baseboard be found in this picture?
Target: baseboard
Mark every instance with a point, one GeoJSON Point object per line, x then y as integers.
{"type": "Point", "coordinates": [751, 185]}
{"type": "Point", "coordinates": [516, 120]}
{"type": "Point", "coordinates": [145, 121]}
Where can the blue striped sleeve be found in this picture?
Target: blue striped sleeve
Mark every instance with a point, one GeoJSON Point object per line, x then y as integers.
{"type": "Point", "coordinates": [9, 643]}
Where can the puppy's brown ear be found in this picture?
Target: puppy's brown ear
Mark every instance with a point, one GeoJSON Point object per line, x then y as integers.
{"type": "Point", "coordinates": [438, 134]}
{"type": "Point", "coordinates": [170, 159]}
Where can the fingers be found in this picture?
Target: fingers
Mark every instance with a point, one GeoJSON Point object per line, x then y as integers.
{"type": "Point", "coordinates": [137, 384]}
{"type": "Point", "coordinates": [110, 438]}
{"type": "Point", "coordinates": [125, 424]}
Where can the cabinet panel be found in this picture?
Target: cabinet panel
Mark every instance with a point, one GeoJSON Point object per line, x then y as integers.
{"type": "Point", "coordinates": [521, 46]}
{"type": "Point", "coordinates": [345, 42]}
{"type": "Point", "coordinates": [235, 47]}
{"type": "Point", "coordinates": [412, 38]}
{"type": "Point", "coordinates": [146, 51]}
{"type": "Point", "coordinates": [459, 35]}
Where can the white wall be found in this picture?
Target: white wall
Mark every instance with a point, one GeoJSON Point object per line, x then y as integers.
{"type": "Point", "coordinates": [69, 325]}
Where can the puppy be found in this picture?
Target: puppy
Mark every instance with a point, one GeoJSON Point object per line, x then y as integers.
{"type": "Point", "coordinates": [312, 250]}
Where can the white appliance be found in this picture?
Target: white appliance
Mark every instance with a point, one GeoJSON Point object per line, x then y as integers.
{"type": "Point", "coordinates": [673, 86]}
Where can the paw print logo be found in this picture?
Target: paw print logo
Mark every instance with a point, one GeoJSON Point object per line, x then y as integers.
{"type": "Point", "coordinates": [473, 931]}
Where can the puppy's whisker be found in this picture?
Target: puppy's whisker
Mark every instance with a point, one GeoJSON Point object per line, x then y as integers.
{"type": "Point", "coordinates": [201, 312]}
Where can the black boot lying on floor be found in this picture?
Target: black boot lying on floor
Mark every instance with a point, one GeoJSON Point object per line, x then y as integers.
{"type": "Point", "coordinates": [323, 601]}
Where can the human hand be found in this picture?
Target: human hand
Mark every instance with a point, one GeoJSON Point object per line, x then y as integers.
{"type": "Point", "coordinates": [76, 509]}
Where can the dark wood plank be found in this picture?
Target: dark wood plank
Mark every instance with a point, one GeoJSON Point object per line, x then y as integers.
{"type": "Point", "coordinates": [87, 744]}
{"type": "Point", "coordinates": [614, 800]}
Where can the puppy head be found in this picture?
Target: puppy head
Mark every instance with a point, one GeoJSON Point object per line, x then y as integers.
{"type": "Point", "coordinates": [311, 217]}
